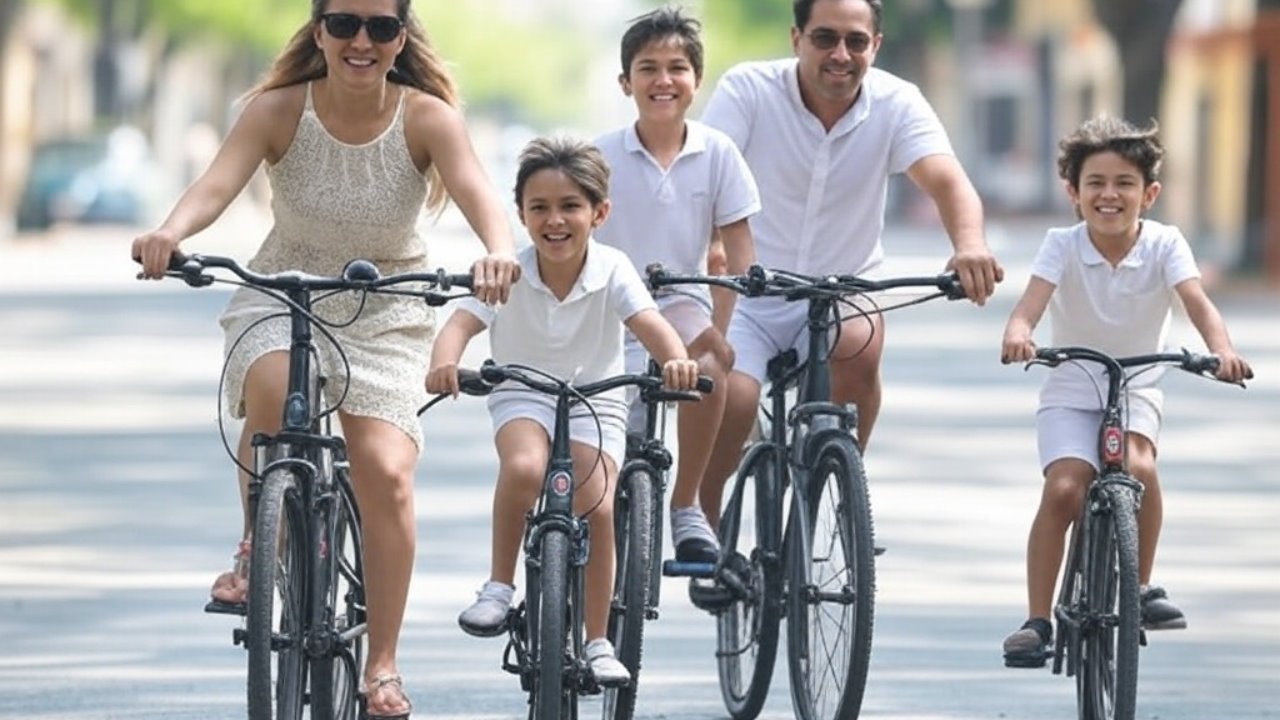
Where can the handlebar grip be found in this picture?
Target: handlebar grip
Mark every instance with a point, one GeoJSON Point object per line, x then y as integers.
{"type": "Point", "coordinates": [471, 382]}
{"type": "Point", "coordinates": [1201, 364]}
{"type": "Point", "coordinates": [1048, 355]}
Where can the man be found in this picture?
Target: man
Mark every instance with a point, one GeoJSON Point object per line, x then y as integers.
{"type": "Point", "coordinates": [822, 132]}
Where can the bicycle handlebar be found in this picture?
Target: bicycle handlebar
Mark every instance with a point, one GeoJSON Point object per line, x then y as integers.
{"type": "Point", "coordinates": [356, 275]}
{"type": "Point", "coordinates": [1194, 363]}
{"type": "Point", "coordinates": [490, 374]}
{"type": "Point", "coordinates": [759, 281]}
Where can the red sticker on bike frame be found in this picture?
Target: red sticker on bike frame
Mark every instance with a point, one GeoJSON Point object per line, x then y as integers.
{"type": "Point", "coordinates": [1112, 445]}
{"type": "Point", "coordinates": [560, 483]}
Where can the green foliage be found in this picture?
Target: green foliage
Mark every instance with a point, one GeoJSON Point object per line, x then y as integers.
{"type": "Point", "coordinates": [257, 25]}
{"type": "Point", "coordinates": [738, 30]}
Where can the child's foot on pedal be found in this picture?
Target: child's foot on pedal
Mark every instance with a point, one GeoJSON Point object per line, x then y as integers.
{"type": "Point", "coordinates": [693, 537]}
{"type": "Point", "coordinates": [1158, 612]}
{"type": "Point", "coordinates": [605, 667]}
{"type": "Point", "coordinates": [1028, 646]}
{"type": "Point", "coordinates": [487, 616]}
{"type": "Point", "coordinates": [232, 586]}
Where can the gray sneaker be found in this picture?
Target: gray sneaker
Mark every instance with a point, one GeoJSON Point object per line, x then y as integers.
{"type": "Point", "coordinates": [1028, 647]}
{"type": "Point", "coordinates": [693, 537]}
{"type": "Point", "coordinates": [605, 667]}
{"type": "Point", "coordinates": [487, 616]}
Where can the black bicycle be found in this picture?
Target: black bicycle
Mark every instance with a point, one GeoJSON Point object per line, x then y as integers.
{"type": "Point", "coordinates": [1099, 611]}
{"type": "Point", "coordinates": [305, 613]}
{"type": "Point", "coordinates": [818, 568]}
{"type": "Point", "coordinates": [546, 629]}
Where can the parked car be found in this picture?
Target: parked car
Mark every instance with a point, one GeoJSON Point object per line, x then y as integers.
{"type": "Point", "coordinates": [92, 179]}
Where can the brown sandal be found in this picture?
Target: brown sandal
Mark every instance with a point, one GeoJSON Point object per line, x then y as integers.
{"type": "Point", "coordinates": [378, 683]}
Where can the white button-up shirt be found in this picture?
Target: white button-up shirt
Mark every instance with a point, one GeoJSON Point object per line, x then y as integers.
{"type": "Point", "coordinates": [823, 192]}
{"type": "Point", "coordinates": [1122, 310]}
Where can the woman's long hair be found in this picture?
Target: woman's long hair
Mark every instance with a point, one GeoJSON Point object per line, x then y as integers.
{"type": "Point", "coordinates": [417, 66]}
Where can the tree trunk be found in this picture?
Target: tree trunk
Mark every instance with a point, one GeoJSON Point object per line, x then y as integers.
{"type": "Point", "coordinates": [1141, 30]}
{"type": "Point", "coordinates": [1259, 228]}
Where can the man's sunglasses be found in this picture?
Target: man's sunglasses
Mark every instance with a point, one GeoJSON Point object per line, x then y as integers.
{"type": "Point", "coordinates": [825, 40]}
{"type": "Point", "coordinates": [344, 26]}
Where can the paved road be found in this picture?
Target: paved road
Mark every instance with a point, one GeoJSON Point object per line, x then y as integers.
{"type": "Point", "coordinates": [117, 509]}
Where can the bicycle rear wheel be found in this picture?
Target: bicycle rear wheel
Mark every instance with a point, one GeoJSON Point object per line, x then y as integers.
{"type": "Point", "coordinates": [831, 594]}
{"type": "Point", "coordinates": [275, 623]}
{"type": "Point", "coordinates": [747, 624]}
{"type": "Point", "coordinates": [633, 515]}
{"type": "Point", "coordinates": [1107, 683]}
{"type": "Point", "coordinates": [335, 679]}
{"type": "Point", "coordinates": [549, 613]}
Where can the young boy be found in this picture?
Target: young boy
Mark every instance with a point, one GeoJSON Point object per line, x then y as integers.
{"type": "Point", "coordinates": [1109, 283]}
{"type": "Point", "coordinates": [565, 317]}
{"type": "Point", "coordinates": [676, 184]}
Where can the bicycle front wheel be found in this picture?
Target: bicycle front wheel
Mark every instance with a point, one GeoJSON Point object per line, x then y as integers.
{"type": "Point", "coordinates": [1107, 681]}
{"type": "Point", "coordinates": [335, 678]}
{"type": "Point", "coordinates": [633, 514]}
{"type": "Point", "coordinates": [549, 583]}
{"type": "Point", "coordinates": [275, 623]}
{"type": "Point", "coordinates": [747, 621]}
{"type": "Point", "coordinates": [831, 593]}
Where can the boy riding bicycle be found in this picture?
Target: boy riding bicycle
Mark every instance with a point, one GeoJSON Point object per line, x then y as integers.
{"type": "Point", "coordinates": [1109, 284]}
{"type": "Point", "coordinates": [565, 318]}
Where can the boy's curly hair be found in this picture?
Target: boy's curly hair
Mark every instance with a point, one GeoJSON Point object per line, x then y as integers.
{"type": "Point", "coordinates": [1140, 146]}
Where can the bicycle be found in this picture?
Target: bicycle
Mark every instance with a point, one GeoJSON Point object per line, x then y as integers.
{"type": "Point", "coordinates": [546, 629]}
{"type": "Point", "coordinates": [790, 568]}
{"type": "Point", "coordinates": [1098, 611]}
{"type": "Point", "coordinates": [305, 613]}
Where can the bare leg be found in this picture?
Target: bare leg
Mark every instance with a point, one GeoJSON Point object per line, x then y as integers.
{"type": "Point", "coordinates": [264, 391]}
{"type": "Point", "coordinates": [1142, 464]}
{"type": "Point", "coordinates": [743, 395]}
{"type": "Point", "coordinates": [596, 476]}
{"type": "Point", "coordinates": [383, 458]}
{"type": "Point", "coordinates": [700, 421]}
{"type": "Point", "coordinates": [855, 371]}
{"type": "Point", "coordinates": [1066, 481]}
{"type": "Point", "coordinates": [523, 449]}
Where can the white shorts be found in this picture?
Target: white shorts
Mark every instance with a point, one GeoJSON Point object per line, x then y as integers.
{"type": "Point", "coordinates": [1073, 433]}
{"type": "Point", "coordinates": [610, 435]}
{"type": "Point", "coordinates": [690, 317]}
{"type": "Point", "coordinates": [764, 327]}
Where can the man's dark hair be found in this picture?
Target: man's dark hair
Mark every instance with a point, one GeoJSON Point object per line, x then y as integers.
{"type": "Point", "coordinates": [663, 23]}
{"type": "Point", "coordinates": [803, 9]}
{"type": "Point", "coordinates": [1140, 146]}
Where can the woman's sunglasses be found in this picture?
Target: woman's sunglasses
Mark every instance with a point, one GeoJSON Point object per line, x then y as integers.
{"type": "Point", "coordinates": [344, 26]}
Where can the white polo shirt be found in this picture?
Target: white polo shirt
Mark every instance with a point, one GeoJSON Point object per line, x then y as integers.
{"type": "Point", "coordinates": [824, 192]}
{"type": "Point", "coordinates": [578, 338]}
{"type": "Point", "coordinates": [668, 216]}
{"type": "Point", "coordinates": [1121, 311]}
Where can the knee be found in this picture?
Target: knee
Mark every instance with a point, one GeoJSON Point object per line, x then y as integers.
{"type": "Point", "coordinates": [522, 473]}
{"type": "Point", "coordinates": [743, 396]}
{"type": "Point", "coordinates": [1064, 495]}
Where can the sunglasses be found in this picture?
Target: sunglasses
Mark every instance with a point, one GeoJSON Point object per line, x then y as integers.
{"type": "Point", "coordinates": [856, 42]}
{"type": "Point", "coordinates": [381, 28]}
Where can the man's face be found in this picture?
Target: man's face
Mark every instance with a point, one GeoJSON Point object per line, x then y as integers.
{"type": "Point", "coordinates": [835, 49]}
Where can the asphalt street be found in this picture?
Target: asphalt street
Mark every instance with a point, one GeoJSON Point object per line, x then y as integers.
{"type": "Point", "coordinates": [118, 507]}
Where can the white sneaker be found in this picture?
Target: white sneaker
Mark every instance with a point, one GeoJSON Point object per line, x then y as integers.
{"type": "Point", "coordinates": [487, 616]}
{"type": "Point", "coordinates": [606, 668]}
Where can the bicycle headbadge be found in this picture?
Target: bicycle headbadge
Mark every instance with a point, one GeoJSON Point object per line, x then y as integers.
{"type": "Point", "coordinates": [1112, 446]}
{"type": "Point", "coordinates": [561, 481]}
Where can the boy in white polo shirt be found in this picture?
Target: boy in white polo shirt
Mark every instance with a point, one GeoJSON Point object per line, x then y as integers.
{"type": "Point", "coordinates": [1109, 284]}
{"type": "Point", "coordinates": [822, 132]}
{"type": "Point", "coordinates": [675, 184]}
{"type": "Point", "coordinates": [565, 317]}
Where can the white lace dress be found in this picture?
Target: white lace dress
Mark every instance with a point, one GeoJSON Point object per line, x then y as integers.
{"type": "Point", "coordinates": [333, 202]}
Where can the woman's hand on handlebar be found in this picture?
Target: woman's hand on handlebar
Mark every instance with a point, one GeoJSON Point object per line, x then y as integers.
{"type": "Point", "coordinates": [153, 250]}
{"type": "Point", "coordinates": [443, 379]}
{"type": "Point", "coordinates": [494, 274]}
{"type": "Point", "coordinates": [681, 374]}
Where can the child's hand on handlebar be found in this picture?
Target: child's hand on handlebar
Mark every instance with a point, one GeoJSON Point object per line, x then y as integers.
{"type": "Point", "coordinates": [443, 379]}
{"type": "Point", "coordinates": [681, 374]}
{"type": "Point", "coordinates": [1232, 367]}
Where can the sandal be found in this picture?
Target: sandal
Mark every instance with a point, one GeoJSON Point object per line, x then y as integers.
{"type": "Point", "coordinates": [239, 569]}
{"type": "Point", "coordinates": [378, 683]}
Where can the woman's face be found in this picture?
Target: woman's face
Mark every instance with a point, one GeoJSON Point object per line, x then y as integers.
{"type": "Point", "coordinates": [559, 216]}
{"type": "Point", "coordinates": [360, 40]}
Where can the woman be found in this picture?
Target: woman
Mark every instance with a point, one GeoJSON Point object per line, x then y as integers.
{"type": "Point", "coordinates": [358, 123]}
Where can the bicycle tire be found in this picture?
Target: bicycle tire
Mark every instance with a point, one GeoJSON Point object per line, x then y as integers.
{"type": "Point", "coordinates": [634, 527]}
{"type": "Point", "coordinates": [274, 634]}
{"type": "Point", "coordinates": [832, 576]}
{"type": "Point", "coordinates": [747, 628]}
{"type": "Point", "coordinates": [550, 633]}
{"type": "Point", "coordinates": [335, 679]}
{"type": "Point", "coordinates": [1107, 683]}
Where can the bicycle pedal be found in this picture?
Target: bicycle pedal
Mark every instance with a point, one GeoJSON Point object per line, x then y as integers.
{"type": "Point", "coordinates": [219, 607]}
{"type": "Point", "coordinates": [878, 551]}
{"type": "Point", "coordinates": [675, 568]}
{"type": "Point", "coordinates": [1142, 637]}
